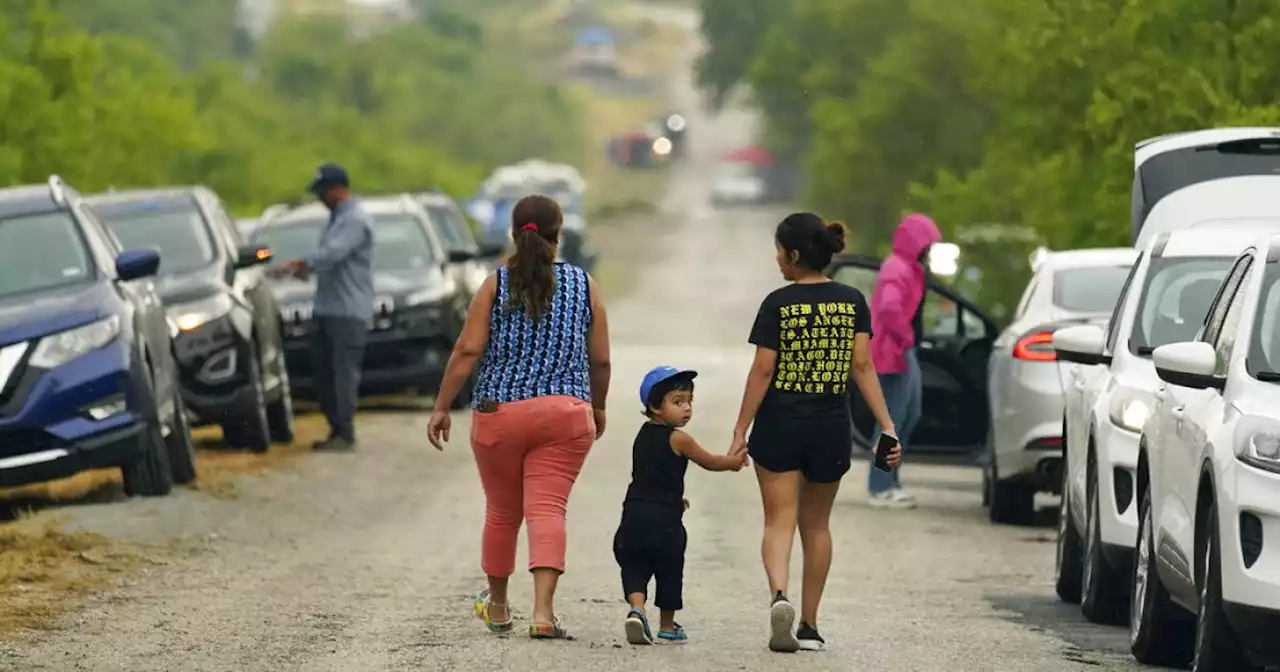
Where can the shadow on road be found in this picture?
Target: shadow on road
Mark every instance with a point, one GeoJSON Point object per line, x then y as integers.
{"type": "Point", "coordinates": [1087, 643]}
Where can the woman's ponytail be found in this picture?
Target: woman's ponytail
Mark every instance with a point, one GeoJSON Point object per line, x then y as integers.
{"type": "Point", "coordinates": [535, 227]}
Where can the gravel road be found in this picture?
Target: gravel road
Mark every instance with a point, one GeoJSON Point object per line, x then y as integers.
{"type": "Point", "coordinates": [368, 561]}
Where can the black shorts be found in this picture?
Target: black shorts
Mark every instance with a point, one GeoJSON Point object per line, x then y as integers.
{"type": "Point", "coordinates": [821, 449]}
{"type": "Point", "coordinates": [652, 547]}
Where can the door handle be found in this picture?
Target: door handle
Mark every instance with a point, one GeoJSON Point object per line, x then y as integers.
{"type": "Point", "coordinates": [1162, 393]}
{"type": "Point", "coordinates": [1178, 412]}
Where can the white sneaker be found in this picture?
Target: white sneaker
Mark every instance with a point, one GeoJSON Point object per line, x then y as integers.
{"type": "Point", "coordinates": [782, 621]}
{"type": "Point", "coordinates": [891, 499]}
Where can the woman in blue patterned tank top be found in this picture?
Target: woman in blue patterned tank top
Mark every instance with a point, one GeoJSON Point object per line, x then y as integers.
{"type": "Point", "coordinates": [537, 330]}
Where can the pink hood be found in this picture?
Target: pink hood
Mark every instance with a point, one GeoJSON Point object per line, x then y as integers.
{"type": "Point", "coordinates": [898, 292]}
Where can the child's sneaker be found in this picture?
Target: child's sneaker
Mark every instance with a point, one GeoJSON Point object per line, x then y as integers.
{"type": "Point", "coordinates": [675, 636]}
{"type": "Point", "coordinates": [809, 639]}
{"type": "Point", "coordinates": [782, 618]}
{"type": "Point", "coordinates": [637, 627]}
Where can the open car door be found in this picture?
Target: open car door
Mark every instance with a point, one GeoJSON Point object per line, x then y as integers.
{"type": "Point", "coordinates": [958, 338]}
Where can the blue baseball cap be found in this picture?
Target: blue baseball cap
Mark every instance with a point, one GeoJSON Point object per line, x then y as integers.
{"type": "Point", "coordinates": [659, 374]}
{"type": "Point", "coordinates": [329, 175]}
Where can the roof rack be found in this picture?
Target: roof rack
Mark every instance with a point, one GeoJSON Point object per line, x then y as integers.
{"type": "Point", "coordinates": [57, 190]}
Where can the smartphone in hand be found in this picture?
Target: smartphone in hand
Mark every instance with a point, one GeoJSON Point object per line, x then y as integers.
{"type": "Point", "coordinates": [883, 449]}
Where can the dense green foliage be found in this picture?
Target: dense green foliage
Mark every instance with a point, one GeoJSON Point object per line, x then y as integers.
{"type": "Point", "coordinates": [136, 92]}
{"type": "Point", "coordinates": [989, 111]}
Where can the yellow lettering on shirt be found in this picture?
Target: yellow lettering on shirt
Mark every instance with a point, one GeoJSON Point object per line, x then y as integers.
{"type": "Point", "coordinates": [815, 347]}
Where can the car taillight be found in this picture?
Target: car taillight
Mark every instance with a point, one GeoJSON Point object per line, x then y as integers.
{"type": "Point", "coordinates": [1036, 347]}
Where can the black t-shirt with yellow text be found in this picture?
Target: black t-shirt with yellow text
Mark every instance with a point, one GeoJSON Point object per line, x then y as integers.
{"type": "Point", "coordinates": [812, 328]}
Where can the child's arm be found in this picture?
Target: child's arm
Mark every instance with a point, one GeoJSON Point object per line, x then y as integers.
{"type": "Point", "coordinates": [684, 445]}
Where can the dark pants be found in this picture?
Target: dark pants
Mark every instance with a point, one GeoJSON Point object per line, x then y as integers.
{"type": "Point", "coordinates": [337, 348]}
{"type": "Point", "coordinates": [652, 547]}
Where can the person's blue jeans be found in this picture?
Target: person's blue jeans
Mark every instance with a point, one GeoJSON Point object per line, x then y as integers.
{"type": "Point", "coordinates": [902, 394]}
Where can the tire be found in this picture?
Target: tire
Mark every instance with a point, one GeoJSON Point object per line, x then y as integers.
{"type": "Point", "coordinates": [1217, 649]}
{"type": "Point", "coordinates": [148, 474]}
{"type": "Point", "coordinates": [1070, 547]}
{"type": "Point", "coordinates": [280, 416]}
{"type": "Point", "coordinates": [1012, 503]}
{"type": "Point", "coordinates": [251, 430]}
{"type": "Point", "coordinates": [1102, 590]}
{"type": "Point", "coordinates": [180, 446]}
{"type": "Point", "coordinates": [1160, 632]}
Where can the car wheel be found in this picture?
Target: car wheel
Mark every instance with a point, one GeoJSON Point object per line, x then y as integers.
{"type": "Point", "coordinates": [251, 429]}
{"type": "Point", "coordinates": [1217, 647]}
{"type": "Point", "coordinates": [1012, 503]}
{"type": "Point", "coordinates": [1102, 591]}
{"type": "Point", "coordinates": [181, 448]}
{"type": "Point", "coordinates": [1159, 631]}
{"type": "Point", "coordinates": [148, 474]}
{"type": "Point", "coordinates": [1067, 561]}
{"type": "Point", "coordinates": [280, 417]}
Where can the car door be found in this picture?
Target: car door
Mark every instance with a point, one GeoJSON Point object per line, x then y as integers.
{"type": "Point", "coordinates": [953, 354]}
{"type": "Point", "coordinates": [248, 284]}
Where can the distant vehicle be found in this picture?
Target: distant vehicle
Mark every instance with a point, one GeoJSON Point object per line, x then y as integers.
{"type": "Point", "coordinates": [419, 308]}
{"type": "Point", "coordinates": [640, 149]}
{"type": "Point", "coordinates": [1024, 378]}
{"type": "Point", "coordinates": [1167, 163]}
{"type": "Point", "coordinates": [1218, 204]}
{"type": "Point", "coordinates": [675, 128]}
{"type": "Point", "coordinates": [87, 374]}
{"type": "Point", "coordinates": [454, 231]}
{"type": "Point", "coordinates": [225, 321]}
{"type": "Point", "coordinates": [737, 182]}
{"type": "Point", "coordinates": [574, 248]}
{"type": "Point", "coordinates": [595, 51]}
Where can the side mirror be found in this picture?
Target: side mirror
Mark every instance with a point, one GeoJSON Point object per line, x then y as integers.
{"type": "Point", "coordinates": [135, 264]}
{"type": "Point", "coordinates": [1082, 344]}
{"type": "Point", "coordinates": [460, 256]}
{"type": "Point", "coordinates": [253, 255]}
{"type": "Point", "coordinates": [1188, 364]}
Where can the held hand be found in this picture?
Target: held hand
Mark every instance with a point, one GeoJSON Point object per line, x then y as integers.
{"type": "Point", "coordinates": [738, 447]}
{"type": "Point", "coordinates": [600, 421]}
{"type": "Point", "coordinates": [438, 429]}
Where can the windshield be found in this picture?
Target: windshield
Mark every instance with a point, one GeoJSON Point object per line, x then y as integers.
{"type": "Point", "coordinates": [41, 252]}
{"type": "Point", "coordinates": [291, 241]}
{"type": "Point", "coordinates": [401, 244]}
{"type": "Point", "coordinates": [1174, 301]}
{"type": "Point", "coordinates": [1093, 289]}
{"type": "Point", "coordinates": [452, 227]}
{"type": "Point", "coordinates": [180, 233]}
{"type": "Point", "coordinates": [1170, 171]}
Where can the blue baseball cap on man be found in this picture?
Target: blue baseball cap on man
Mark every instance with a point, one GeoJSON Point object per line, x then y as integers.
{"type": "Point", "coordinates": [659, 374]}
{"type": "Point", "coordinates": [329, 175]}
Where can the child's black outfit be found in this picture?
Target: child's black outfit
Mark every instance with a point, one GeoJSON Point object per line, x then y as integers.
{"type": "Point", "coordinates": [651, 540]}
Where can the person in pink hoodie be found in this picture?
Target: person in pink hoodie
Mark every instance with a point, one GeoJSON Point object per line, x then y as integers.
{"type": "Point", "coordinates": [895, 311]}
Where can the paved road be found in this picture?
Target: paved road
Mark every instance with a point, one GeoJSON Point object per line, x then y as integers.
{"type": "Point", "coordinates": [368, 561]}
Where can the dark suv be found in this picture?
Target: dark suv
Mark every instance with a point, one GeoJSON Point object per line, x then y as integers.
{"type": "Point", "coordinates": [420, 302]}
{"type": "Point", "coordinates": [224, 320]}
{"type": "Point", "coordinates": [87, 375]}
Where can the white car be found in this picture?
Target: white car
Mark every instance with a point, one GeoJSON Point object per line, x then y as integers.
{"type": "Point", "coordinates": [1024, 380]}
{"type": "Point", "coordinates": [734, 182]}
{"type": "Point", "coordinates": [1207, 572]}
{"type": "Point", "coordinates": [1110, 386]}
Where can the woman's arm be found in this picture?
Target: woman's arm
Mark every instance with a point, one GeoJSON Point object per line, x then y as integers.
{"type": "Point", "coordinates": [758, 380]}
{"type": "Point", "coordinates": [470, 346]}
{"type": "Point", "coordinates": [598, 349]}
{"type": "Point", "coordinates": [864, 376]}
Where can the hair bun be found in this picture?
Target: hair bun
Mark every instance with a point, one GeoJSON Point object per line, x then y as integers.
{"type": "Point", "coordinates": [833, 237]}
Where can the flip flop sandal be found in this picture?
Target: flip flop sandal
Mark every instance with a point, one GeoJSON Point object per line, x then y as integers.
{"type": "Point", "coordinates": [552, 630]}
{"type": "Point", "coordinates": [482, 605]}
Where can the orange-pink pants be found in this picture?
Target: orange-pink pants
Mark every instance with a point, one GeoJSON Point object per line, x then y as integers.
{"type": "Point", "coordinates": [529, 454]}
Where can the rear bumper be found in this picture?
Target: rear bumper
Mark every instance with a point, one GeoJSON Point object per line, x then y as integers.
{"type": "Point", "coordinates": [1027, 426]}
{"type": "Point", "coordinates": [389, 365]}
{"type": "Point", "coordinates": [44, 457]}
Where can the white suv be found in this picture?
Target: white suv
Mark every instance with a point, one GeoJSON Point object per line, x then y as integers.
{"type": "Point", "coordinates": [1109, 389]}
{"type": "Point", "coordinates": [1209, 484]}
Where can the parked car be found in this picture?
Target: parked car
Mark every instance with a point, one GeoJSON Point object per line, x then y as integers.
{"type": "Point", "coordinates": [1111, 384]}
{"type": "Point", "coordinates": [224, 320]}
{"type": "Point", "coordinates": [87, 375]}
{"type": "Point", "coordinates": [1205, 581]}
{"type": "Point", "coordinates": [1024, 378]}
{"type": "Point", "coordinates": [958, 338]}
{"type": "Point", "coordinates": [420, 305]}
{"type": "Point", "coordinates": [574, 247]}
{"type": "Point", "coordinates": [471, 261]}
{"type": "Point", "coordinates": [1168, 163]}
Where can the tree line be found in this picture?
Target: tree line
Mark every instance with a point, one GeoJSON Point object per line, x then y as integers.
{"type": "Point", "coordinates": [988, 111]}
{"type": "Point", "coordinates": [133, 93]}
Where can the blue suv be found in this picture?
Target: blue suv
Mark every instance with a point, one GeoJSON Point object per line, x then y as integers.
{"type": "Point", "coordinates": [87, 373]}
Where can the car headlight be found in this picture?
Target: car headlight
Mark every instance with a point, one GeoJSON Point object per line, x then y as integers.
{"type": "Point", "coordinates": [188, 316]}
{"type": "Point", "coordinates": [1129, 410]}
{"type": "Point", "coordinates": [58, 349]}
{"type": "Point", "coordinates": [1257, 442]}
{"type": "Point", "coordinates": [432, 294]}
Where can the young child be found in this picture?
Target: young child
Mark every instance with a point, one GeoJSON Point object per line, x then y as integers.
{"type": "Point", "coordinates": [651, 540]}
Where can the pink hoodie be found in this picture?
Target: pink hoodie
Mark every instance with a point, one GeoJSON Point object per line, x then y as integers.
{"type": "Point", "coordinates": [898, 292]}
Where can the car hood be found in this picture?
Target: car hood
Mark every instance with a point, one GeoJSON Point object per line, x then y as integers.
{"type": "Point", "coordinates": [30, 316]}
{"type": "Point", "coordinates": [190, 286]}
{"type": "Point", "coordinates": [392, 283]}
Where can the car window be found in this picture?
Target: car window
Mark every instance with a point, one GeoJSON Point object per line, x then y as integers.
{"type": "Point", "coordinates": [859, 277]}
{"type": "Point", "coordinates": [1264, 353]}
{"type": "Point", "coordinates": [293, 240]}
{"type": "Point", "coordinates": [1217, 312]}
{"type": "Point", "coordinates": [178, 231]}
{"type": "Point", "coordinates": [1175, 297]}
{"type": "Point", "coordinates": [400, 244]}
{"type": "Point", "coordinates": [1026, 298]}
{"type": "Point", "coordinates": [451, 227]}
{"type": "Point", "coordinates": [1089, 290]}
{"type": "Point", "coordinates": [1113, 324]}
{"type": "Point", "coordinates": [41, 252]}
{"type": "Point", "coordinates": [1226, 337]}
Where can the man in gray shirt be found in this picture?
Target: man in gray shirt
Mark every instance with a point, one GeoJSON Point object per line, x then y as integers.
{"type": "Point", "coordinates": [343, 267]}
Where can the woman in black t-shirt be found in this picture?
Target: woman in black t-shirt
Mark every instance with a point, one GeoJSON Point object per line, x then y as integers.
{"type": "Point", "coordinates": [812, 339]}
